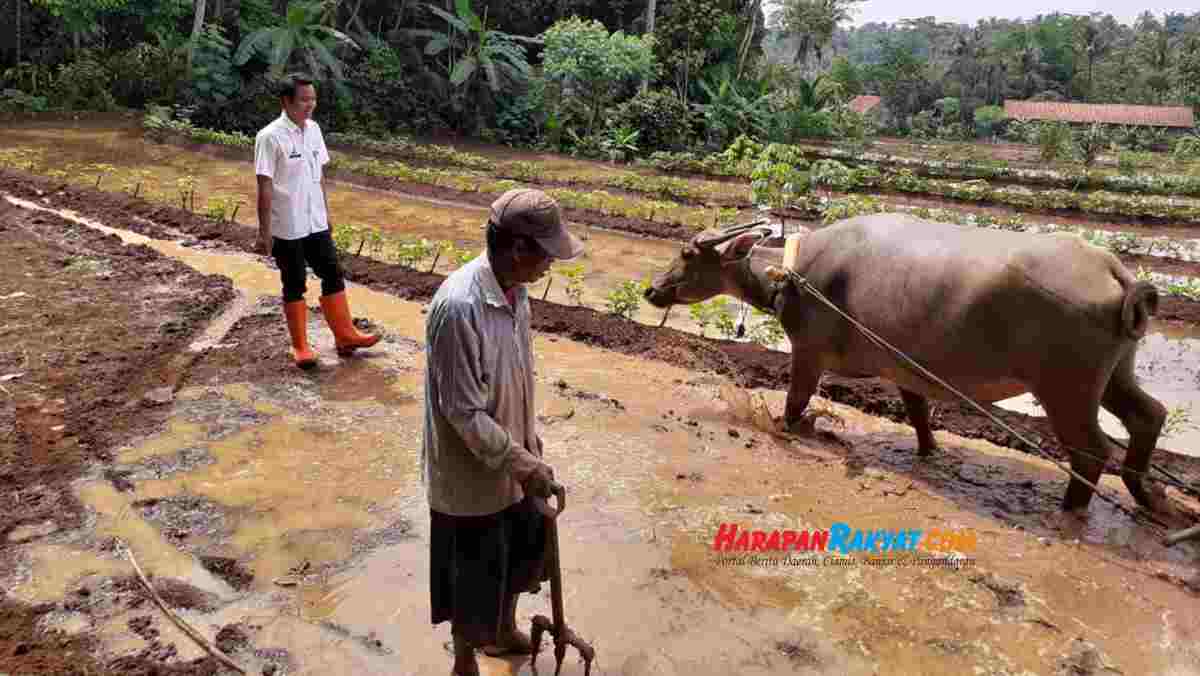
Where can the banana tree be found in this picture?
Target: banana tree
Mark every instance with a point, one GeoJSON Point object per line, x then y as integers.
{"type": "Point", "coordinates": [302, 37]}
{"type": "Point", "coordinates": [470, 53]}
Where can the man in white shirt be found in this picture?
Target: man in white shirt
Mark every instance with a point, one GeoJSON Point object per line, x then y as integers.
{"type": "Point", "coordinates": [293, 220]}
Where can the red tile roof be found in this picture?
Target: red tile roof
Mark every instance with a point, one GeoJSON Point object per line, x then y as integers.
{"type": "Point", "coordinates": [1150, 116]}
{"type": "Point", "coordinates": [861, 104]}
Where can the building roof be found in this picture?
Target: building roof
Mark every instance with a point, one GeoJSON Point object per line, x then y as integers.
{"type": "Point", "coordinates": [862, 104]}
{"type": "Point", "coordinates": [1148, 116]}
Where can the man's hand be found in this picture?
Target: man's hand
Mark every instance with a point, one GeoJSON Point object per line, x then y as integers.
{"type": "Point", "coordinates": [263, 246]}
{"type": "Point", "coordinates": [533, 474]}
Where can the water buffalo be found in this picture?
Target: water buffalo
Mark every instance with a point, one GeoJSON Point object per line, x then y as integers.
{"type": "Point", "coordinates": [995, 314]}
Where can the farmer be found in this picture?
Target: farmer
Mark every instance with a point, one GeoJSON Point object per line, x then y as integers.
{"type": "Point", "coordinates": [293, 220]}
{"type": "Point", "coordinates": [482, 456]}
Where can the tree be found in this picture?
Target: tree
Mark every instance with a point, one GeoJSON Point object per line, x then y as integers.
{"type": "Point", "coordinates": [197, 26]}
{"type": "Point", "coordinates": [80, 15]}
{"type": "Point", "coordinates": [583, 54]}
{"type": "Point", "coordinates": [900, 77]}
{"type": "Point", "coordinates": [1093, 44]}
{"type": "Point", "coordinates": [303, 34]}
{"type": "Point", "coordinates": [813, 22]}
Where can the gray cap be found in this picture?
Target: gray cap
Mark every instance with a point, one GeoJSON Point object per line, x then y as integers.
{"type": "Point", "coordinates": [525, 211]}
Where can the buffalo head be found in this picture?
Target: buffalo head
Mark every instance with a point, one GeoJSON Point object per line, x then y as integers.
{"type": "Point", "coordinates": [705, 266]}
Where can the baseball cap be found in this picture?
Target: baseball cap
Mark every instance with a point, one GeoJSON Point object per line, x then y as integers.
{"type": "Point", "coordinates": [533, 213]}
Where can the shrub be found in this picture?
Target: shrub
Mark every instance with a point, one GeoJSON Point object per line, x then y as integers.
{"type": "Point", "coordinates": [17, 101]}
{"type": "Point", "coordinates": [624, 300]}
{"type": "Point", "coordinates": [1054, 139]}
{"type": "Point", "coordinates": [1187, 148]}
{"type": "Point", "coordinates": [989, 120]}
{"type": "Point", "coordinates": [664, 120]}
{"type": "Point", "coordinates": [84, 85]}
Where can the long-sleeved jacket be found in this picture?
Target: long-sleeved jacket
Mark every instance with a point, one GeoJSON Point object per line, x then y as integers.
{"type": "Point", "coordinates": [479, 393]}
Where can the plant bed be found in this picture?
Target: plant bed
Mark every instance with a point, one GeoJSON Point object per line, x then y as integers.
{"type": "Point", "coordinates": [751, 365]}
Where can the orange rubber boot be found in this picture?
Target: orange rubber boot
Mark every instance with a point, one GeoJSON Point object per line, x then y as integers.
{"type": "Point", "coordinates": [337, 315]}
{"type": "Point", "coordinates": [297, 321]}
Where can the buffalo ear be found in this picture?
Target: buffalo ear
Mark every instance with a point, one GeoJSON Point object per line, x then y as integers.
{"type": "Point", "coordinates": [739, 246]}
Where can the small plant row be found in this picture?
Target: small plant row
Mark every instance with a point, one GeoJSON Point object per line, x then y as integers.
{"type": "Point", "coordinates": [399, 146]}
{"type": "Point", "coordinates": [665, 187]}
{"type": "Point", "coordinates": [161, 128]}
{"type": "Point", "coordinates": [745, 158]}
{"type": "Point", "coordinates": [624, 300]}
{"type": "Point", "coordinates": [837, 176]}
{"type": "Point", "coordinates": [1154, 183]}
{"type": "Point", "coordinates": [597, 200]}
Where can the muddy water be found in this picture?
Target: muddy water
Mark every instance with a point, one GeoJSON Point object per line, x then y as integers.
{"type": "Point", "coordinates": [321, 470]}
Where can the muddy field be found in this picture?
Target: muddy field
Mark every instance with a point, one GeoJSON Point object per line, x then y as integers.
{"type": "Point", "coordinates": [103, 337]}
{"type": "Point", "coordinates": [95, 336]}
{"type": "Point", "coordinates": [752, 365]}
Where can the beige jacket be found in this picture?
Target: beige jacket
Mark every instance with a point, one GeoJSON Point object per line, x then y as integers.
{"type": "Point", "coordinates": [479, 393]}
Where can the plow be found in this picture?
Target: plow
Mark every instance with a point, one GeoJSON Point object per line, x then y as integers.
{"type": "Point", "coordinates": [557, 627]}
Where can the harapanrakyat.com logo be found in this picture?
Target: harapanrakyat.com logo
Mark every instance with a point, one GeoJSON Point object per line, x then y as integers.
{"type": "Point", "coordinates": [841, 538]}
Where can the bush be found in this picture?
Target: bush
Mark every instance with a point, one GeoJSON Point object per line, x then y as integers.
{"type": "Point", "coordinates": [84, 85]}
{"type": "Point", "coordinates": [1054, 139]}
{"type": "Point", "coordinates": [17, 101]}
{"type": "Point", "coordinates": [664, 120]}
{"type": "Point", "coordinates": [148, 74]}
{"type": "Point", "coordinates": [519, 119]}
{"type": "Point", "coordinates": [989, 120]}
{"type": "Point", "coordinates": [1187, 148]}
{"type": "Point", "coordinates": [1127, 162]}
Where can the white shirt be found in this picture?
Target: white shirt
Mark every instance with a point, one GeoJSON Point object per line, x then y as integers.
{"type": "Point", "coordinates": [293, 160]}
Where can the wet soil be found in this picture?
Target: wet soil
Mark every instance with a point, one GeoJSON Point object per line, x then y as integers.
{"type": "Point", "coordinates": [90, 327]}
{"type": "Point", "coordinates": [752, 365]}
{"type": "Point", "coordinates": [256, 359]}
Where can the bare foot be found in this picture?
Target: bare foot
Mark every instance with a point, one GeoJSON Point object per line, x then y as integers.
{"type": "Point", "coordinates": [512, 642]}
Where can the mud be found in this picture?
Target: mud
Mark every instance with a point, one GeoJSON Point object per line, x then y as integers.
{"type": "Point", "coordinates": [712, 466]}
{"type": "Point", "coordinates": [100, 324]}
{"type": "Point", "coordinates": [752, 365]}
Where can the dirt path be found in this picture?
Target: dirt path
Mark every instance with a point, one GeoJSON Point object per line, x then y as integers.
{"type": "Point", "coordinates": [282, 513]}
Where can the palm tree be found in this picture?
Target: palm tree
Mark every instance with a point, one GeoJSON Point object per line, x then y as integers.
{"type": "Point", "coordinates": [303, 35]}
{"type": "Point", "coordinates": [813, 22]}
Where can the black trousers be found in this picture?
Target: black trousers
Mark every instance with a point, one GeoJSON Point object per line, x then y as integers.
{"type": "Point", "coordinates": [316, 250]}
{"type": "Point", "coordinates": [477, 561]}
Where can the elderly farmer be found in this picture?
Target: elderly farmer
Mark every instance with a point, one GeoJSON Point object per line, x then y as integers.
{"type": "Point", "coordinates": [293, 221]}
{"type": "Point", "coordinates": [482, 456]}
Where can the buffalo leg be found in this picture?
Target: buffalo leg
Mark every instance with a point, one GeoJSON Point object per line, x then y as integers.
{"type": "Point", "coordinates": [1074, 417]}
{"type": "Point", "coordinates": [918, 414]}
{"type": "Point", "coordinates": [805, 379]}
{"type": "Point", "coordinates": [1143, 416]}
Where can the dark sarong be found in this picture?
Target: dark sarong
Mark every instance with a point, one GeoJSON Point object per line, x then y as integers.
{"type": "Point", "coordinates": [475, 562]}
